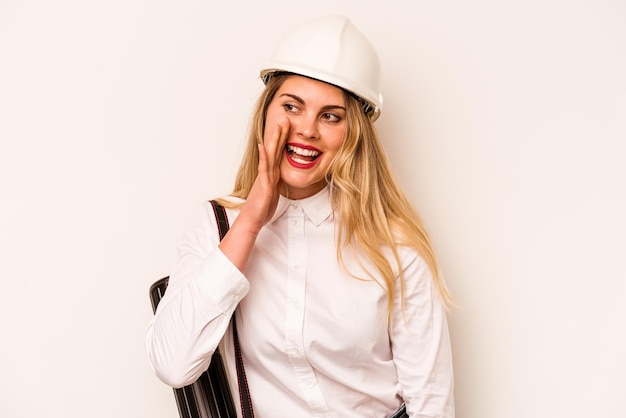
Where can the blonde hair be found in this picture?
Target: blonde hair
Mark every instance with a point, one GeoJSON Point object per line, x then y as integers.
{"type": "Point", "coordinates": [362, 189]}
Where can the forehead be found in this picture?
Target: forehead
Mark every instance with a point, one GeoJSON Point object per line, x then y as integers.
{"type": "Point", "coordinates": [312, 91]}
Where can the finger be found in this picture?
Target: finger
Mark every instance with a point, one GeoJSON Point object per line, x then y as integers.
{"type": "Point", "coordinates": [275, 144]}
{"type": "Point", "coordinates": [284, 125]}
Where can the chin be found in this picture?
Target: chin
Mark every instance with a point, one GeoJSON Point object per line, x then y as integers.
{"type": "Point", "coordinates": [299, 190]}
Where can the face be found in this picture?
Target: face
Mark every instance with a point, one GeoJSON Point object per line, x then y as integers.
{"type": "Point", "coordinates": [317, 116]}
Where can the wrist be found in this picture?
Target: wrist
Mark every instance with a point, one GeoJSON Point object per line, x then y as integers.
{"type": "Point", "coordinates": [245, 228]}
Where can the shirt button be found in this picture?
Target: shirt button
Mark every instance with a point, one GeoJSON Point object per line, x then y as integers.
{"type": "Point", "coordinates": [294, 205]}
{"type": "Point", "coordinates": [296, 223]}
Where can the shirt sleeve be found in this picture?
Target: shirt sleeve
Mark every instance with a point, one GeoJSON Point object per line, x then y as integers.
{"type": "Point", "coordinates": [421, 344]}
{"type": "Point", "coordinates": [203, 291]}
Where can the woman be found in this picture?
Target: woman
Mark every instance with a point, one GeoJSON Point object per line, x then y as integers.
{"type": "Point", "coordinates": [340, 307]}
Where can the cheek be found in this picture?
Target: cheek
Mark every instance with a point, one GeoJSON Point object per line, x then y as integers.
{"type": "Point", "coordinates": [335, 140]}
{"type": "Point", "coordinates": [269, 122]}
{"type": "Point", "coordinates": [273, 115]}
{"type": "Point", "coordinates": [333, 145]}
{"type": "Point", "coordinates": [265, 131]}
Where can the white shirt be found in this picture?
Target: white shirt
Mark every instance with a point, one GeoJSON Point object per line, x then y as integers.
{"type": "Point", "coordinates": [315, 341]}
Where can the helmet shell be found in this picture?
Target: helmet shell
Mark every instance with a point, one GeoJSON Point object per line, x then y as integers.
{"type": "Point", "coordinates": [333, 50]}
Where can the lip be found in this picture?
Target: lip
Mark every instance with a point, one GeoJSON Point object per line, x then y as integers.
{"type": "Point", "coordinates": [298, 164]}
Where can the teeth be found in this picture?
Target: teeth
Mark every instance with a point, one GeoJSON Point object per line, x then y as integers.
{"type": "Point", "coordinates": [300, 160]}
{"type": "Point", "coordinates": [303, 152]}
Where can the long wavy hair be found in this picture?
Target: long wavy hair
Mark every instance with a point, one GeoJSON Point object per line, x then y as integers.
{"type": "Point", "coordinates": [362, 188]}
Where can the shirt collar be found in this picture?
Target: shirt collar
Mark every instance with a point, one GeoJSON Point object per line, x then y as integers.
{"type": "Point", "coordinates": [317, 207]}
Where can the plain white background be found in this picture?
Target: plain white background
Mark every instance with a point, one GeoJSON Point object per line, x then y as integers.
{"type": "Point", "coordinates": [504, 121]}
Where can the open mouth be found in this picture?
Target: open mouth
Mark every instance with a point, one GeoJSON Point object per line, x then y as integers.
{"type": "Point", "coordinates": [301, 155]}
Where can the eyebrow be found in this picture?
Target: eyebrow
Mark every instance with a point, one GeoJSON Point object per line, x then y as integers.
{"type": "Point", "coordinates": [301, 101]}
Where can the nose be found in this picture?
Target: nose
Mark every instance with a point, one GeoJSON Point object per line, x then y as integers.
{"type": "Point", "coordinates": [306, 126]}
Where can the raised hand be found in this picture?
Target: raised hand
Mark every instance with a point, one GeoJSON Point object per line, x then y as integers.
{"type": "Point", "coordinates": [262, 200]}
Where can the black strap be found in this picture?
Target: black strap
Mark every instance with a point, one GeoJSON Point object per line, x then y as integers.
{"type": "Point", "coordinates": [244, 392]}
{"type": "Point", "coordinates": [400, 413]}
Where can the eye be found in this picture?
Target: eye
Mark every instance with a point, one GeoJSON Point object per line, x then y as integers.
{"type": "Point", "coordinates": [331, 117]}
{"type": "Point", "coordinates": [290, 108]}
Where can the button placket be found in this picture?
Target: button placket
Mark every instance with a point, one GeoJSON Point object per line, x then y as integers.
{"type": "Point", "coordinates": [294, 327]}
{"type": "Point", "coordinates": [295, 285]}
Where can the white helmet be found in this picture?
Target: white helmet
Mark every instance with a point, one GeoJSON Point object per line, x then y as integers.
{"type": "Point", "coordinates": [331, 49]}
